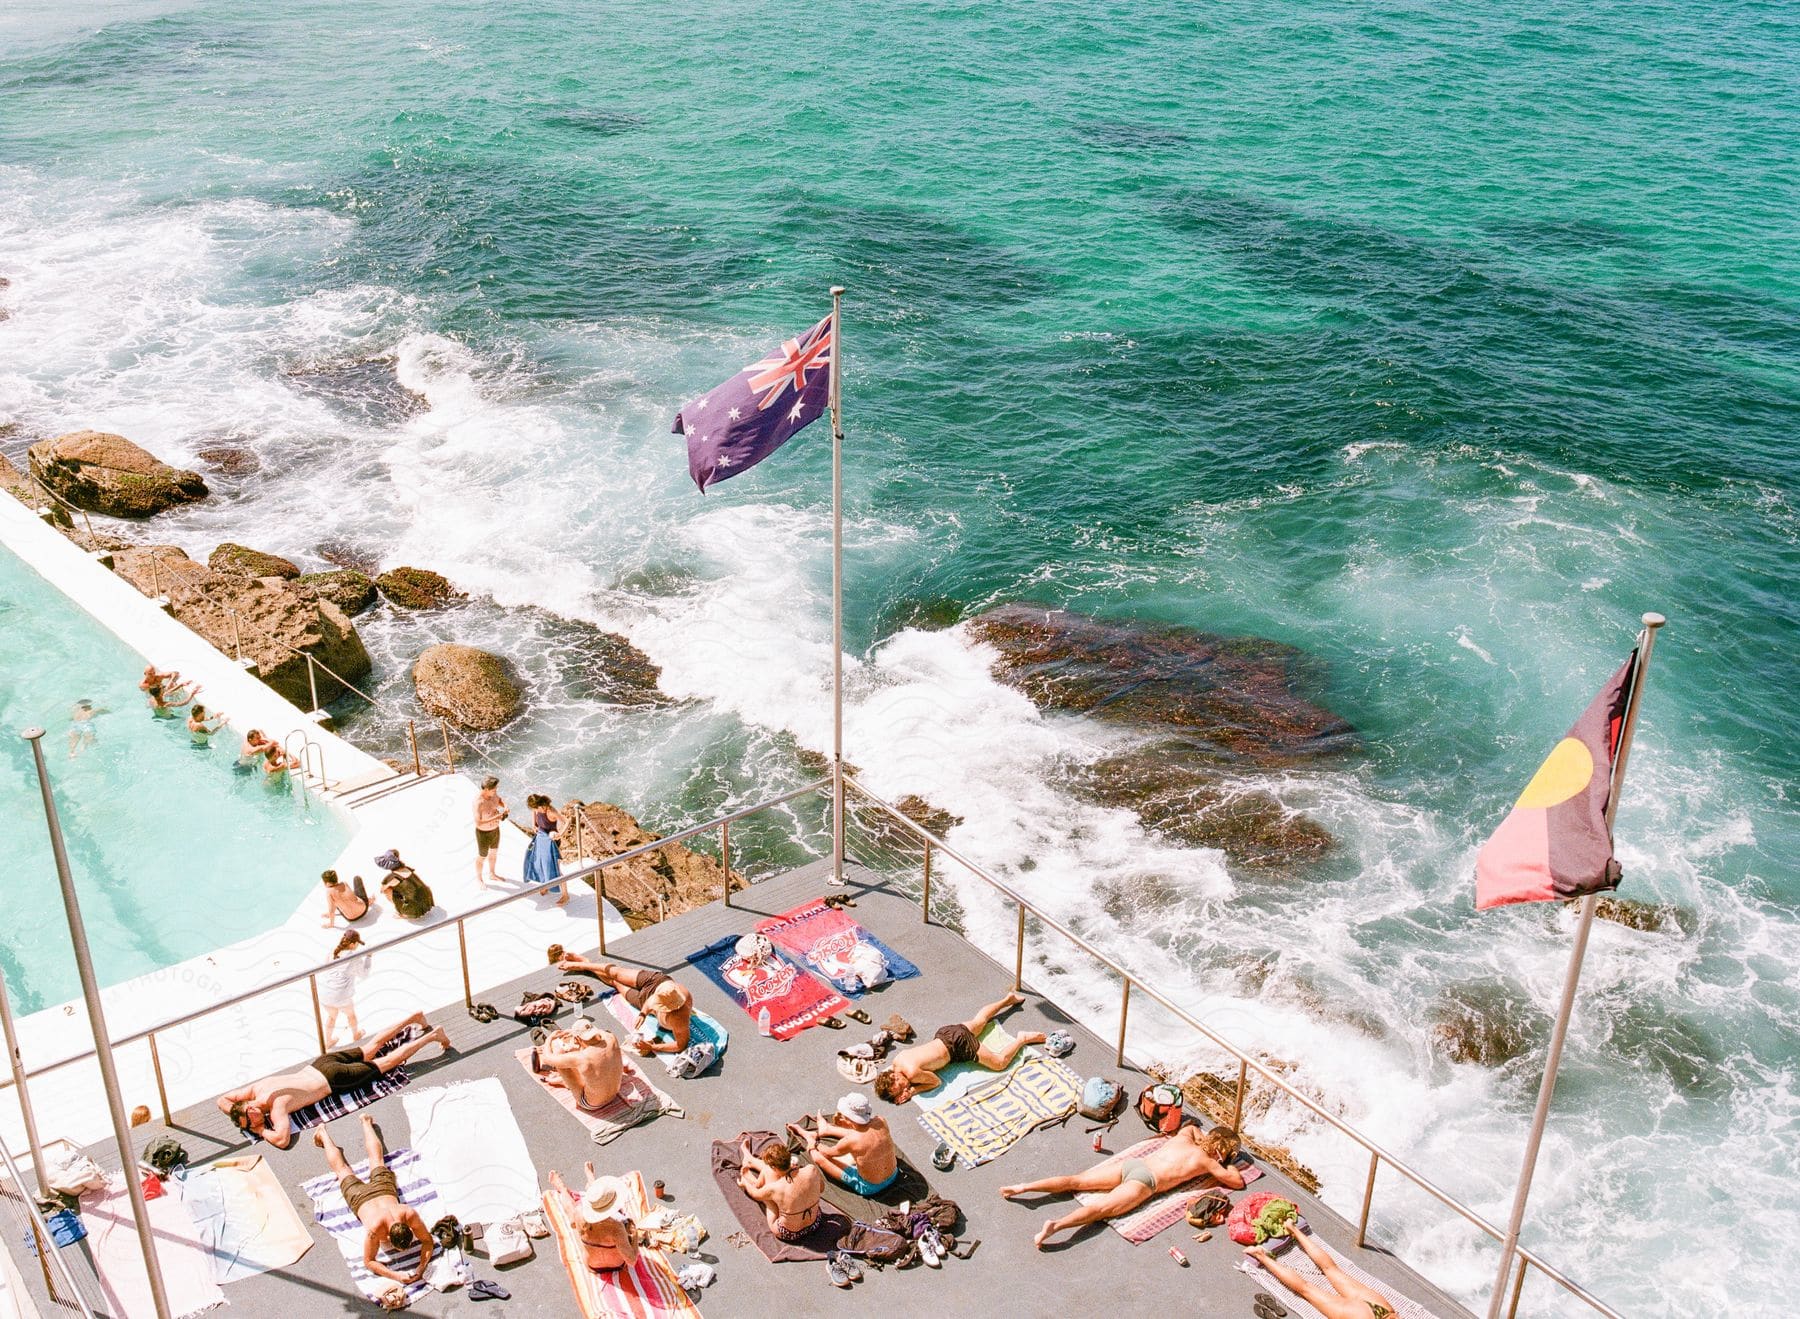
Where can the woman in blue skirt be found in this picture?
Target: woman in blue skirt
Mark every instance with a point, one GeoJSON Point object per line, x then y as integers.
{"type": "Point", "coordinates": [543, 860]}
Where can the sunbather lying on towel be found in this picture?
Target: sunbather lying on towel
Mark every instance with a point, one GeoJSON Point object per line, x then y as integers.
{"type": "Point", "coordinates": [915, 1069]}
{"type": "Point", "coordinates": [377, 1205]}
{"type": "Point", "coordinates": [585, 1061]}
{"type": "Point", "coordinates": [653, 994]}
{"type": "Point", "coordinates": [789, 1195]}
{"type": "Point", "coordinates": [857, 1150]}
{"type": "Point", "coordinates": [264, 1109]}
{"type": "Point", "coordinates": [1186, 1155]}
{"type": "Point", "coordinates": [607, 1231]}
{"type": "Point", "coordinates": [1347, 1298]}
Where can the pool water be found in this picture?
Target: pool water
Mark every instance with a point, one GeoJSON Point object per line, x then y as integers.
{"type": "Point", "coordinates": [174, 852]}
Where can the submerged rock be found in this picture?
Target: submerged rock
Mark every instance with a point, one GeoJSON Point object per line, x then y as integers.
{"type": "Point", "coordinates": [346, 588]}
{"type": "Point", "coordinates": [928, 613]}
{"type": "Point", "coordinates": [365, 559]}
{"type": "Point", "coordinates": [1485, 1022]}
{"type": "Point", "coordinates": [605, 666]}
{"type": "Point", "coordinates": [29, 493]}
{"type": "Point", "coordinates": [415, 588]}
{"type": "Point", "coordinates": [366, 389]}
{"type": "Point", "coordinates": [105, 473]}
{"type": "Point", "coordinates": [1235, 698]}
{"type": "Point", "coordinates": [1192, 804]}
{"type": "Point", "coordinates": [469, 687]}
{"type": "Point", "coordinates": [278, 622]}
{"type": "Point", "coordinates": [1654, 917]}
{"type": "Point", "coordinates": [230, 460]}
{"type": "Point", "coordinates": [243, 561]}
{"type": "Point", "coordinates": [666, 882]}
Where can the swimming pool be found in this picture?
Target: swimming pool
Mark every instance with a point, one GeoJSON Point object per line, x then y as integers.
{"type": "Point", "coordinates": [174, 853]}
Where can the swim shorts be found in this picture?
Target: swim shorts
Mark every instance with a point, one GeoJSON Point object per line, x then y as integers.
{"type": "Point", "coordinates": [487, 840]}
{"type": "Point", "coordinates": [358, 1192]}
{"type": "Point", "coordinates": [960, 1041]}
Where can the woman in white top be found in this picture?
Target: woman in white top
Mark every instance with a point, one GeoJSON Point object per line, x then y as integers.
{"type": "Point", "coordinates": [337, 988]}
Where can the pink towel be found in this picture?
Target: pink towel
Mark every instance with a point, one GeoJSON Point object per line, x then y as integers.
{"type": "Point", "coordinates": [1159, 1212]}
{"type": "Point", "coordinates": [187, 1268]}
{"type": "Point", "coordinates": [637, 1101]}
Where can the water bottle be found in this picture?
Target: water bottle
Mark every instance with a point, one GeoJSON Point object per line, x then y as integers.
{"type": "Point", "coordinates": [762, 1022]}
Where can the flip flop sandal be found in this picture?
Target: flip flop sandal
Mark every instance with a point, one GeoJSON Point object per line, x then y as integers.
{"type": "Point", "coordinates": [966, 1249]}
{"type": "Point", "coordinates": [484, 1013]}
{"type": "Point", "coordinates": [833, 1023]}
{"type": "Point", "coordinates": [857, 1014]}
{"type": "Point", "coordinates": [483, 1290]}
{"type": "Point", "coordinates": [1267, 1307]}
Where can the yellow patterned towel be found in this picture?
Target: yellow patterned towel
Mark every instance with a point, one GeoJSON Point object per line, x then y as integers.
{"type": "Point", "coordinates": [994, 1115]}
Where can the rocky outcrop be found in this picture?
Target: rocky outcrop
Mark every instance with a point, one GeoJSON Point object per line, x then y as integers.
{"type": "Point", "coordinates": [469, 687]}
{"type": "Point", "coordinates": [29, 493]}
{"type": "Point", "coordinates": [1485, 1022]}
{"type": "Point", "coordinates": [364, 559]}
{"type": "Point", "coordinates": [242, 561]}
{"type": "Point", "coordinates": [1175, 793]}
{"type": "Point", "coordinates": [346, 588]}
{"type": "Point", "coordinates": [1654, 917]}
{"type": "Point", "coordinates": [1236, 698]}
{"type": "Point", "coordinates": [415, 588]}
{"type": "Point", "coordinates": [108, 474]}
{"type": "Point", "coordinates": [278, 622]}
{"type": "Point", "coordinates": [881, 830]}
{"type": "Point", "coordinates": [1216, 1098]}
{"type": "Point", "coordinates": [605, 666]}
{"type": "Point", "coordinates": [666, 882]}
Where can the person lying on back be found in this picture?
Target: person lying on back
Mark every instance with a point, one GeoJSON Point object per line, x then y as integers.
{"type": "Point", "coordinates": [916, 1069]}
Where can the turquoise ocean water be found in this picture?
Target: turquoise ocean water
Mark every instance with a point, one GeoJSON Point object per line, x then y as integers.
{"type": "Point", "coordinates": [1438, 343]}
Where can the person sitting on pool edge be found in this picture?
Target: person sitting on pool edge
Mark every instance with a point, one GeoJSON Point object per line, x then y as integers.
{"type": "Point", "coordinates": [349, 901]}
{"type": "Point", "coordinates": [861, 1155]}
{"type": "Point", "coordinates": [789, 1196]}
{"type": "Point", "coordinates": [265, 1108]}
{"type": "Point", "coordinates": [916, 1069]}
{"type": "Point", "coordinates": [375, 1201]}
{"type": "Point", "coordinates": [653, 994]}
{"type": "Point", "coordinates": [1124, 1185]}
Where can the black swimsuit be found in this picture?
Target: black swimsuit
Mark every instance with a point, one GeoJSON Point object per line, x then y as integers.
{"type": "Point", "coordinates": [346, 1070]}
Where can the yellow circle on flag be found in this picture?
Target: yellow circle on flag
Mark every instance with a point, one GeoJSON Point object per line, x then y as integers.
{"type": "Point", "coordinates": [1566, 771]}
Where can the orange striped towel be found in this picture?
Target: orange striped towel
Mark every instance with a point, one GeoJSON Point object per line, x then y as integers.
{"type": "Point", "coordinates": [646, 1290]}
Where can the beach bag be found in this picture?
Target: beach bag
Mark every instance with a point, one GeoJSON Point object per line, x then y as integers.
{"type": "Point", "coordinates": [535, 1009]}
{"type": "Point", "coordinates": [693, 1060]}
{"type": "Point", "coordinates": [1246, 1225]}
{"type": "Point", "coordinates": [1160, 1107]}
{"type": "Point", "coordinates": [943, 1214]}
{"type": "Point", "coordinates": [1101, 1100]}
{"type": "Point", "coordinates": [69, 1171]}
{"type": "Point", "coordinates": [66, 1227]}
{"type": "Point", "coordinates": [869, 966]}
{"type": "Point", "coordinates": [165, 1155]}
{"type": "Point", "coordinates": [879, 1245]}
{"type": "Point", "coordinates": [857, 1071]}
{"type": "Point", "coordinates": [1209, 1210]}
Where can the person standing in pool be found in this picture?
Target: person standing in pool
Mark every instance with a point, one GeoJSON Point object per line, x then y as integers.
{"type": "Point", "coordinates": [490, 813]}
{"type": "Point", "coordinates": [543, 862]}
{"type": "Point", "coordinates": [202, 726]}
{"type": "Point", "coordinates": [165, 700]}
{"type": "Point", "coordinates": [256, 746]}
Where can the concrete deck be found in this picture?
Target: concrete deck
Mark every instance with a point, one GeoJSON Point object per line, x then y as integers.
{"type": "Point", "coordinates": [764, 1083]}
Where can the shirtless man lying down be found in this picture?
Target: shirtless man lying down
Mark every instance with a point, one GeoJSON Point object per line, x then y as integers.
{"type": "Point", "coordinates": [1129, 1183]}
{"type": "Point", "coordinates": [265, 1108]}
{"type": "Point", "coordinates": [916, 1069]}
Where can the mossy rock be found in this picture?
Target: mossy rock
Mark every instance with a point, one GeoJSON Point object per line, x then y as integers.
{"type": "Point", "coordinates": [415, 588]}
{"type": "Point", "coordinates": [346, 588]}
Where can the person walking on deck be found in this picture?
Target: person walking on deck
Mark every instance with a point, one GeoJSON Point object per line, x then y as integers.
{"type": "Point", "coordinates": [337, 988]}
{"type": "Point", "coordinates": [916, 1069]}
{"type": "Point", "coordinates": [653, 994]}
{"type": "Point", "coordinates": [388, 1221]}
{"type": "Point", "coordinates": [1343, 1298]}
{"type": "Point", "coordinates": [1124, 1185]}
{"type": "Point", "coordinates": [490, 813]}
{"type": "Point", "coordinates": [543, 862]}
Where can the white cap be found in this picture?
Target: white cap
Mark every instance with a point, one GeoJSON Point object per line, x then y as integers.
{"type": "Point", "coordinates": [857, 1108]}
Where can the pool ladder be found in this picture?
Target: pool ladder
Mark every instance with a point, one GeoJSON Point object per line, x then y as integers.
{"type": "Point", "coordinates": [308, 750]}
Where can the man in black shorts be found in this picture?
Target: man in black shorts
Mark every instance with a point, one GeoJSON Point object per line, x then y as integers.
{"type": "Point", "coordinates": [265, 1109]}
{"type": "Point", "coordinates": [916, 1069]}
{"type": "Point", "coordinates": [490, 813]}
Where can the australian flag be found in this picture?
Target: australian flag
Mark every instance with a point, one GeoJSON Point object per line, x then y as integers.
{"type": "Point", "coordinates": [759, 409]}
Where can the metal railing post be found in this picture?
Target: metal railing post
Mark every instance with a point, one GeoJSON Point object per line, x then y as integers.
{"type": "Point", "coordinates": [1362, 1221]}
{"type": "Point", "coordinates": [162, 1091]}
{"type": "Point", "coordinates": [1019, 954]}
{"type": "Point", "coordinates": [462, 950]}
{"type": "Point", "coordinates": [1237, 1104]}
{"type": "Point", "coordinates": [449, 755]}
{"type": "Point", "coordinates": [312, 983]}
{"type": "Point", "coordinates": [20, 1087]}
{"type": "Point", "coordinates": [412, 736]}
{"type": "Point", "coordinates": [312, 679]}
{"type": "Point", "coordinates": [1124, 1016]}
{"type": "Point", "coordinates": [600, 907]}
{"type": "Point", "coordinates": [725, 857]}
{"type": "Point", "coordinates": [925, 897]}
{"type": "Point", "coordinates": [155, 577]}
{"type": "Point", "coordinates": [103, 1054]}
{"type": "Point", "coordinates": [1512, 1306]}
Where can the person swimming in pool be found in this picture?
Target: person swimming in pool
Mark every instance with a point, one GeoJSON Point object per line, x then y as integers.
{"type": "Point", "coordinates": [916, 1069]}
{"type": "Point", "coordinates": [81, 725]}
{"type": "Point", "coordinates": [1123, 1185]}
{"type": "Point", "coordinates": [201, 726]}
{"type": "Point", "coordinates": [266, 1108]}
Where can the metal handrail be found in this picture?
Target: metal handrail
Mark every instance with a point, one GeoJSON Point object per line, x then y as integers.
{"type": "Point", "coordinates": [1246, 1061]}
{"type": "Point", "coordinates": [568, 876]}
{"type": "Point", "coordinates": [47, 1249]}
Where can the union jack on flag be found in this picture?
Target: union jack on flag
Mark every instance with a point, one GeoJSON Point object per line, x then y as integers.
{"type": "Point", "coordinates": [761, 408]}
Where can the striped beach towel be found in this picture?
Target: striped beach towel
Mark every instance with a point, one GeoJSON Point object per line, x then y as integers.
{"type": "Point", "coordinates": [337, 1106]}
{"type": "Point", "coordinates": [332, 1214]}
{"type": "Point", "coordinates": [637, 1101]}
{"type": "Point", "coordinates": [995, 1115]}
{"type": "Point", "coordinates": [1296, 1260]}
{"type": "Point", "coordinates": [646, 1290]}
{"type": "Point", "coordinates": [117, 1253]}
{"type": "Point", "coordinates": [1163, 1211]}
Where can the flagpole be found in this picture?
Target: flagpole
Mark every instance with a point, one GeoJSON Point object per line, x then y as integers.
{"type": "Point", "coordinates": [837, 591]}
{"type": "Point", "coordinates": [1547, 1089]}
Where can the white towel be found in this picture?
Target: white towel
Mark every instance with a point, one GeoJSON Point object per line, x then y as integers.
{"type": "Point", "coordinates": [473, 1150]}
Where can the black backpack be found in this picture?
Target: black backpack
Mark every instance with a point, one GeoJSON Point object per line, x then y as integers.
{"type": "Point", "coordinates": [879, 1245]}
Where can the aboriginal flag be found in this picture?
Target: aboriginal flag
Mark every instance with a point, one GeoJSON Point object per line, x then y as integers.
{"type": "Point", "coordinates": [1556, 842]}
